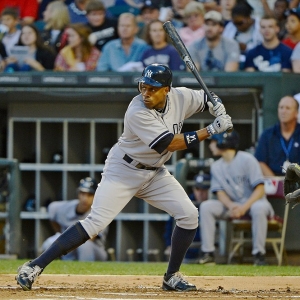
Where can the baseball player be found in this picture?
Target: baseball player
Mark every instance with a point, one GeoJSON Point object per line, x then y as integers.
{"type": "Point", "coordinates": [135, 166]}
{"type": "Point", "coordinates": [237, 181]}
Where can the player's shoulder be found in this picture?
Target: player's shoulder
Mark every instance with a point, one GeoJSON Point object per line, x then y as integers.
{"type": "Point", "coordinates": [137, 106]}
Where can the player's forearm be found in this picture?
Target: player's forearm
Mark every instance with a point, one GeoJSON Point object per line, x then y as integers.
{"type": "Point", "coordinates": [266, 169]}
{"type": "Point", "coordinates": [224, 198]}
{"type": "Point", "coordinates": [178, 142]}
{"type": "Point", "coordinates": [258, 193]}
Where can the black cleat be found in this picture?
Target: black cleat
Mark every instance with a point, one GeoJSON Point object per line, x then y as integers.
{"type": "Point", "coordinates": [27, 275]}
{"type": "Point", "coordinates": [259, 260]}
{"type": "Point", "coordinates": [177, 283]}
{"type": "Point", "coordinates": [207, 259]}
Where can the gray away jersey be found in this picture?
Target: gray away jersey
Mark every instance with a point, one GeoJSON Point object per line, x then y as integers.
{"type": "Point", "coordinates": [143, 127]}
{"type": "Point", "coordinates": [237, 178]}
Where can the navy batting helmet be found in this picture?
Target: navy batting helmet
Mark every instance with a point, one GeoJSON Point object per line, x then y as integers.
{"type": "Point", "coordinates": [88, 185]}
{"type": "Point", "coordinates": [227, 140]}
{"type": "Point", "coordinates": [156, 75]}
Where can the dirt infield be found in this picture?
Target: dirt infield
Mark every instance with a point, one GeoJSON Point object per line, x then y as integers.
{"type": "Point", "coordinates": [149, 287]}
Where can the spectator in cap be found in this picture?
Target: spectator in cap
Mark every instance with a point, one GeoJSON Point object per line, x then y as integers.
{"type": "Point", "coordinates": [194, 18]}
{"type": "Point", "coordinates": [292, 26]}
{"type": "Point", "coordinates": [214, 52]}
{"type": "Point", "coordinates": [63, 214]}
{"type": "Point", "coordinates": [200, 193]}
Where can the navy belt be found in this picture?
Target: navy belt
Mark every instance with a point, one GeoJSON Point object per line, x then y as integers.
{"type": "Point", "coordinates": [139, 165]}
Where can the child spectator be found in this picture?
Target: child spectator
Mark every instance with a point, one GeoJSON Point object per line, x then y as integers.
{"type": "Point", "coordinates": [279, 10]}
{"type": "Point", "coordinates": [103, 28]}
{"type": "Point", "coordinates": [39, 56]}
{"type": "Point", "coordinates": [10, 18]}
{"type": "Point", "coordinates": [56, 18]}
{"type": "Point", "coordinates": [79, 54]}
{"type": "Point", "coordinates": [161, 51]}
{"type": "Point", "coordinates": [194, 17]}
{"type": "Point", "coordinates": [293, 28]}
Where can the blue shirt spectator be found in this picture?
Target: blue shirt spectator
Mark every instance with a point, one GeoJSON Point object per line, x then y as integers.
{"type": "Point", "coordinates": [77, 11]}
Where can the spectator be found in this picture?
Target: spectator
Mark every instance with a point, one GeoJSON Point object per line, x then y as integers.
{"type": "Point", "coordinates": [124, 53]}
{"type": "Point", "coordinates": [243, 28]}
{"type": "Point", "coordinates": [10, 18]}
{"type": "Point", "coordinates": [38, 58]}
{"type": "Point", "coordinates": [56, 18]}
{"type": "Point", "coordinates": [3, 56]}
{"type": "Point", "coordinates": [79, 54]}
{"type": "Point", "coordinates": [77, 11]}
{"type": "Point", "coordinates": [238, 183]}
{"type": "Point", "coordinates": [294, 3]}
{"type": "Point", "coordinates": [293, 28]}
{"type": "Point", "coordinates": [262, 7]}
{"type": "Point", "coordinates": [226, 10]}
{"type": "Point", "coordinates": [27, 9]}
{"type": "Point", "coordinates": [271, 55]}
{"type": "Point", "coordinates": [200, 193]}
{"type": "Point", "coordinates": [149, 12]}
{"type": "Point", "coordinates": [103, 29]}
{"type": "Point", "coordinates": [161, 51]}
{"type": "Point", "coordinates": [279, 10]}
{"type": "Point", "coordinates": [295, 58]}
{"type": "Point", "coordinates": [280, 144]}
{"type": "Point", "coordinates": [215, 52]}
{"type": "Point", "coordinates": [194, 15]}
{"type": "Point", "coordinates": [297, 97]}
{"type": "Point", "coordinates": [63, 214]}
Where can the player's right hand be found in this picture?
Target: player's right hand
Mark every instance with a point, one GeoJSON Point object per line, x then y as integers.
{"type": "Point", "coordinates": [220, 124]}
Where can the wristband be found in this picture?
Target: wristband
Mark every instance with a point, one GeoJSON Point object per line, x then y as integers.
{"type": "Point", "coordinates": [210, 130]}
{"type": "Point", "coordinates": [191, 139]}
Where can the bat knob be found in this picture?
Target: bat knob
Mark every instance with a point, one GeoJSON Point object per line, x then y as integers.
{"type": "Point", "coordinates": [229, 129]}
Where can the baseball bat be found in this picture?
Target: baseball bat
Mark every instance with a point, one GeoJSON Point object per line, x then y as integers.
{"type": "Point", "coordinates": [186, 57]}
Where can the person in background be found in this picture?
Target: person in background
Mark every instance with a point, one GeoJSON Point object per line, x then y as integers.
{"type": "Point", "coordinates": [79, 54]}
{"type": "Point", "coordinates": [295, 58]}
{"type": "Point", "coordinates": [226, 10]}
{"type": "Point", "coordinates": [194, 18]}
{"type": "Point", "coordinates": [200, 193]}
{"type": "Point", "coordinates": [10, 18]}
{"type": "Point", "coordinates": [238, 183]}
{"type": "Point", "coordinates": [3, 56]}
{"type": "Point", "coordinates": [27, 9]}
{"type": "Point", "coordinates": [39, 57]}
{"type": "Point", "coordinates": [77, 11]}
{"type": "Point", "coordinates": [56, 18]}
{"type": "Point", "coordinates": [244, 29]}
{"type": "Point", "coordinates": [160, 51]}
{"type": "Point", "coordinates": [271, 55]}
{"type": "Point", "coordinates": [63, 214]}
{"type": "Point", "coordinates": [103, 28]}
{"type": "Point", "coordinates": [279, 145]}
{"type": "Point", "coordinates": [215, 52]}
{"type": "Point", "coordinates": [292, 27]}
{"type": "Point", "coordinates": [279, 13]}
{"type": "Point", "coordinates": [124, 53]}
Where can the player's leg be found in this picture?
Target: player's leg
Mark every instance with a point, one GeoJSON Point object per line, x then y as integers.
{"type": "Point", "coordinates": [260, 211]}
{"type": "Point", "coordinates": [210, 211]}
{"type": "Point", "coordinates": [165, 193]}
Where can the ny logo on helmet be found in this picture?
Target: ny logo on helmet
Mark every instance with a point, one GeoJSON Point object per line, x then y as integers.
{"type": "Point", "coordinates": [149, 73]}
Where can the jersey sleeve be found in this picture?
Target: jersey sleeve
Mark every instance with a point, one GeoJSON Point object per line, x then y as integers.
{"type": "Point", "coordinates": [253, 170]}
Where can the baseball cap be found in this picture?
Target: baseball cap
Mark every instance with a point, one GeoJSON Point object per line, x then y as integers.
{"type": "Point", "coordinates": [214, 16]}
{"type": "Point", "coordinates": [88, 185]}
{"type": "Point", "coordinates": [202, 181]}
{"type": "Point", "coordinates": [149, 4]}
{"type": "Point", "coordinates": [293, 11]}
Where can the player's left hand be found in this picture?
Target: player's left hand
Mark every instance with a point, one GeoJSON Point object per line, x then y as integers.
{"type": "Point", "coordinates": [217, 110]}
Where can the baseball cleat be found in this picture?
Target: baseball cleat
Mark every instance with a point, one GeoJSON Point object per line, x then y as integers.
{"type": "Point", "coordinates": [27, 275]}
{"type": "Point", "coordinates": [177, 283]}
{"type": "Point", "coordinates": [207, 259]}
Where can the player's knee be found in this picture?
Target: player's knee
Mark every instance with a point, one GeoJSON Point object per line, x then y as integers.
{"type": "Point", "coordinates": [206, 207]}
{"type": "Point", "coordinates": [190, 221]}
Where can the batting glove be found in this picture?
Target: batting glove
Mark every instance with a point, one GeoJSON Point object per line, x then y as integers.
{"type": "Point", "coordinates": [217, 110]}
{"type": "Point", "coordinates": [220, 124]}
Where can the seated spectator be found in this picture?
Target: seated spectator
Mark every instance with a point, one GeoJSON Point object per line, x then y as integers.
{"type": "Point", "coordinates": [243, 28]}
{"type": "Point", "coordinates": [279, 10]}
{"type": "Point", "coordinates": [10, 18]}
{"type": "Point", "coordinates": [149, 12]}
{"type": "Point", "coordinates": [38, 58]}
{"type": "Point", "coordinates": [77, 11]}
{"type": "Point", "coordinates": [214, 52]}
{"type": "Point", "coordinates": [238, 183]}
{"type": "Point", "coordinates": [280, 144]}
{"type": "Point", "coordinates": [161, 51]}
{"type": "Point", "coordinates": [295, 58]}
{"type": "Point", "coordinates": [27, 9]}
{"type": "Point", "coordinates": [194, 17]}
{"type": "Point", "coordinates": [103, 28]}
{"type": "Point", "coordinates": [79, 54]}
{"type": "Point", "coordinates": [63, 214]}
{"type": "Point", "coordinates": [226, 10]}
{"type": "Point", "coordinates": [124, 53]}
{"type": "Point", "coordinates": [271, 55]}
{"type": "Point", "coordinates": [56, 18]}
{"type": "Point", "coordinates": [200, 193]}
{"type": "Point", "coordinates": [293, 28]}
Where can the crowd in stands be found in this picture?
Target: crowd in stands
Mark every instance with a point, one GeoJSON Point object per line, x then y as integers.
{"type": "Point", "coordinates": [126, 35]}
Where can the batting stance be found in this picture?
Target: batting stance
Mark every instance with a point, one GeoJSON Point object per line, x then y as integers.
{"type": "Point", "coordinates": [135, 166]}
